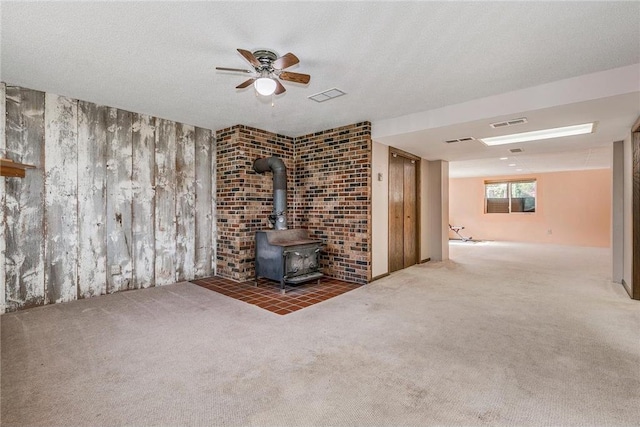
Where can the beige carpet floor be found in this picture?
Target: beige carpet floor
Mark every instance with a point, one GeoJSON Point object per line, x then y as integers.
{"type": "Point", "coordinates": [503, 334]}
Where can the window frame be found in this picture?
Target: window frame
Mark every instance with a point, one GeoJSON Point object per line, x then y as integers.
{"type": "Point", "coordinates": [509, 196]}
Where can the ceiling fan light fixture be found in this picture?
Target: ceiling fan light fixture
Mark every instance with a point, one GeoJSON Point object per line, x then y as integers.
{"type": "Point", "coordinates": [265, 86]}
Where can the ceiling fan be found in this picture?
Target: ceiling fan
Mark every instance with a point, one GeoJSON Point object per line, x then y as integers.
{"type": "Point", "coordinates": [268, 68]}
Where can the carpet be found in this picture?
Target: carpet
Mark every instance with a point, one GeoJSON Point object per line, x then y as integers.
{"type": "Point", "coordinates": [503, 334]}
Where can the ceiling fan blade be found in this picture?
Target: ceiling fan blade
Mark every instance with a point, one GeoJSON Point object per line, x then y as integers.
{"type": "Point", "coordinates": [234, 69]}
{"type": "Point", "coordinates": [246, 83]}
{"type": "Point", "coordinates": [279, 88]}
{"type": "Point", "coordinates": [249, 57]}
{"type": "Point", "coordinates": [295, 77]}
{"type": "Point", "coordinates": [285, 61]}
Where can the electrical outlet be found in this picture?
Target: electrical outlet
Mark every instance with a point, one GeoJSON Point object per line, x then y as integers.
{"type": "Point", "coordinates": [549, 231]}
{"type": "Point", "coordinates": [115, 269]}
{"type": "Point", "coordinates": [379, 176]}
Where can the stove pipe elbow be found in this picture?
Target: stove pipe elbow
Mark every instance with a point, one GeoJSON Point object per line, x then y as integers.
{"type": "Point", "coordinates": [279, 216]}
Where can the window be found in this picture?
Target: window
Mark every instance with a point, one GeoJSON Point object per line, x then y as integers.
{"type": "Point", "coordinates": [510, 196]}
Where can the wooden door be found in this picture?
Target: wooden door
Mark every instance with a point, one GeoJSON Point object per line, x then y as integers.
{"type": "Point", "coordinates": [396, 213]}
{"type": "Point", "coordinates": [635, 216]}
{"type": "Point", "coordinates": [403, 212]}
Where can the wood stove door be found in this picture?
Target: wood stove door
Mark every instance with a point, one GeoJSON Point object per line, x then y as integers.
{"type": "Point", "coordinates": [301, 260]}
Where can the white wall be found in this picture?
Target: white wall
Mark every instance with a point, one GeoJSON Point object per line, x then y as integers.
{"type": "Point", "coordinates": [617, 212]}
{"type": "Point", "coordinates": [444, 207]}
{"type": "Point", "coordinates": [425, 212]}
{"type": "Point", "coordinates": [379, 210]}
{"type": "Point", "coordinates": [438, 206]}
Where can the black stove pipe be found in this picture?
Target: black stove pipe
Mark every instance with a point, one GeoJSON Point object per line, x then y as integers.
{"type": "Point", "coordinates": [279, 216]}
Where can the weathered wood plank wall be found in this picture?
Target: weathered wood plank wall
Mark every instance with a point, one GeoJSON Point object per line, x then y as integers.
{"type": "Point", "coordinates": [204, 219]}
{"type": "Point", "coordinates": [185, 201]}
{"type": "Point", "coordinates": [143, 207]}
{"type": "Point", "coordinates": [61, 198]}
{"type": "Point", "coordinates": [119, 172]}
{"type": "Point", "coordinates": [165, 202]}
{"type": "Point", "coordinates": [24, 200]}
{"type": "Point", "coordinates": [3, 153]}
{"type": "Point", "coordinates": [92, 200]}
{"type": "Point", "coordinates": [117, 201]}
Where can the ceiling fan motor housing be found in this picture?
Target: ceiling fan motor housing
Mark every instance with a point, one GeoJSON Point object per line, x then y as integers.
{"type": "Point", "coordinates": [266, 58]}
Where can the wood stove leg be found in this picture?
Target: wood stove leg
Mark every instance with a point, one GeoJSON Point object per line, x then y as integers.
{"type": "Point", "coordinates": [282, 290]}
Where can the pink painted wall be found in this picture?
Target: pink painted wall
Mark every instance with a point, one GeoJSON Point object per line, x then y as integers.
{"type": "Point", "coordinates": [575, 206]}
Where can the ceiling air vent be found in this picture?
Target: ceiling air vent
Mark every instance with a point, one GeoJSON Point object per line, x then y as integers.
{"type": "Point", "coordinates": [327, 95]}
{"type": "Point", "coordinates": [516, 150]}
{"type": "Point", "coordinates": [507, 123]}
{"type": "Point", "coordinates": [465, 139]}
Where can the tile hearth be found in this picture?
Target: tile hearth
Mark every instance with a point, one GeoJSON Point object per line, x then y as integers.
{"type": "Point", "coordinates": [267, 294]}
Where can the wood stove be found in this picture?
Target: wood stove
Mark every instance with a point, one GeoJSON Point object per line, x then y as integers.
{"type": "Point", "coordinates": [288, 256]}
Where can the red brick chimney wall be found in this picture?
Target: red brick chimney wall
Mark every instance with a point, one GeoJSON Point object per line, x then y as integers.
{"type": "Point", "coordinates": [328, 193]}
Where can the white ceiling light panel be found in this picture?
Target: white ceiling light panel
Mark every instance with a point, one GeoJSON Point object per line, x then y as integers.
{"type": "Point", "coordinates": [538, 135]}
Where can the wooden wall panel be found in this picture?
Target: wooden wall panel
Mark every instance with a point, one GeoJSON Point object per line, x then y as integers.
{"type": "Point", "coordinates": [203, 210]}
{"type": "Point", "coordinates": [165, 226]}
{"type": "Point", "coordinates": [185, 202]}
{"type": "Point", "coordinates": [61, 198]}
{"type": "Point", "coordinates": [92, 200]}
{"type": "Point", "coordinates": [117, 201]}
{"type": "Point", "coordinates": [635, 219]}
{"type": "Point", "coordinates": [24, 200]}
{"type": "Point", "coordinates": [119, 170]}
{"type": "Point", "coordinates": [143, 207]}
{"type": "Point", "coordinates": [3, 154]}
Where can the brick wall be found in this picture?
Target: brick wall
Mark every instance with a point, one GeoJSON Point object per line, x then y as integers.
{"type": "Point", "coordinates": [333, 184]}
{"type": "Point", "coordinates": [244, 198]}
{"type": "Point", "coordinates": [328, 193]}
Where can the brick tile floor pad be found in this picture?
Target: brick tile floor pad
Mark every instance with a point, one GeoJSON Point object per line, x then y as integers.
{"type": "Point", "coordinates": [267, 294]}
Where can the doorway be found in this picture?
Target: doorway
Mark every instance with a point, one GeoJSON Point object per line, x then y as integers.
{"type": "Point", "coordinates": [404, 173]}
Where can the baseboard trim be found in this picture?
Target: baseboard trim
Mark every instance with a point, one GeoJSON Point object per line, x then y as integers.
{"type": "Point", "coordinates": [627, 288]}
{"type": "Point", "coordinates": [381, 276]}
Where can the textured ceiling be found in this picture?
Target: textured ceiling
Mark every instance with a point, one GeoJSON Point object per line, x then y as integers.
{"type": "Point", "coordinates": [391, 58]}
